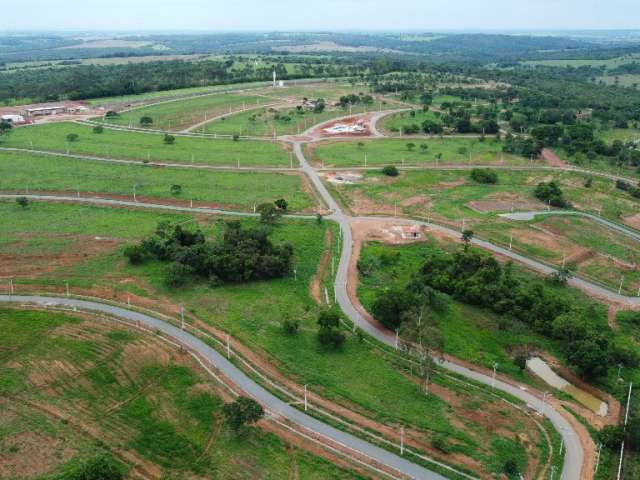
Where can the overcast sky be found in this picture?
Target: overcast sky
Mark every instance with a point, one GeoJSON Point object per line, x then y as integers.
{"type": "Point", "coordinates": [216, 15]}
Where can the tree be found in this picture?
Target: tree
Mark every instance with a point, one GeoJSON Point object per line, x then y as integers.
{"type": "Point", "coordinates": [72, 137]}
{"type": "Point", "coordinates": [360, 145]}
{"type": "Point", "coordinates": [290, 326]}
{"type": "Point", "coordinates": [242, 412]}
{"type": "Point", "coordinates": [467, 235]}
{"type": "Point", "coordinates": [319, 218]}
{"type": "Point", "coordinates": [136, 254]}
{"type": "Point", "coordinates": [282, 204]}
{"type": "Point", "coordinates": [390, 171]}
{"type": "Point", "coordinates": [176, 190]}
{"type": "Point", "coordinates": [521, 360]}
{"type": "Point", "coordinates": [611, 436]}
{"type": "Point", "coordinates": [484, 175]}
{"type": "Point", "coordinates": [424, 147]}
{"type": "Point", "coordinates": [236, 137]}
{"type": "Point", "coordinates": [268, 213]}
{"type": "Point", "coordinates": [420, 326]}
{"type": "Point", "coordinates": [146, 121]}
{"type": "Point", "coordinates": [169, 139]}
{"type": "Point", "coordinates": [329, 329]}
{"type": "Point", "coordinates": [411, 146]}
{"type": "Point", "coordinates": [5, 128]}
{"type": "Point", "coordinates": [511, 468]}
{"type": "Point", "coordinates": [22, 201]}
{"type": "Point", "coordinates": [98, 129]}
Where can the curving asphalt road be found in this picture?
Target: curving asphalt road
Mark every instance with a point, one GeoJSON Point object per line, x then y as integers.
{"type": "Point", "coordinates": [574, 456]}
{"type": "Point", "coordinates": [241, 380]}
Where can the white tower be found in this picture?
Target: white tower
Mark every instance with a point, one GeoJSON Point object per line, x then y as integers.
{"type": "Point", "coordinates": [274, 78]}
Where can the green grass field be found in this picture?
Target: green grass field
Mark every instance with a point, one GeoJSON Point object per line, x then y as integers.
{"type": "Point", "coordinates": [263, 122]}
{"type": "Point", "coordinates": [165, 94]}
{"type": "Point", "coordinates": [180, 114]}
{"type": "Point", "coordinates": [623, 134]}
{"type": "Point", "coordinates": [22, 172]}
{"type": "Point", "coordinates": [609, 63]}
{"type": "Point", "coordinates": [253, 313]}
{"type": "Point", "coordinates": [396, 152]}
{"type": "Point", "coordinates": [147, 146]}
{"type": "Point", "coordinates": [126, 393]}
{"type": "Point", "coordinates": [449, 194]}
{"type": "Point", "coordinates": [399, 121]}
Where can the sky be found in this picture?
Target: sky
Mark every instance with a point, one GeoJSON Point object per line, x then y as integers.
{"type": "Point", "coordinates": [301, 15]}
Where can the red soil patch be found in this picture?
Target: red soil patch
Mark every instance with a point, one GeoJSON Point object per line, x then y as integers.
{"type": "Point", "coordinates": [30, 454]}
{"type": "Point", "coordinates": [551, 158]}
{"type": "Point", "coordinates": [632, 220]}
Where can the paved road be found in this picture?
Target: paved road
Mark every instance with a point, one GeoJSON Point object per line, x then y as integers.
{"type": "Point", "coordinates": [525, 216]}
{"type": "Point", "coordinates": [151, 206]}
{"type": "Point", "coordinates": [242, 381]}
{"type": "Point", "coordinates": [574, 456]}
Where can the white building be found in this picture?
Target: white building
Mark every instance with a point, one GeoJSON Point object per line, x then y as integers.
{"type": "Point", "coordinates": [12, 118]}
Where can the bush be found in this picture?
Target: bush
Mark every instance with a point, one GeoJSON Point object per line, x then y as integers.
{"type": "Point", "coordinates": [22, 201]}
{"type": "Point", "coordinates": [550, 192]}
{"type": "Point", "coordinates": [329, 334]}
{"type": "Point", "coordinates": [290, 327]}
{"type": "Point", "coordinates": [242, 412]}
{"type": "Point", "coordinates": [169, 139]}
{"type": "Point", "coordinates": [390, 171]}
{"type": "Point", "coordinates": [440, 443]}
{"type": "Point", "coordinates": [484, 175]}
{"type": "Point", "coordinates": [98, 129]}
{"type": "Point", "coordinates": [111, 114]}
{"type": "Point", "coordinates": [146, 121]}
{"type": "Point", "coordinates": [103, 467]}
{"type": "Point", "coordinates": [177, 274]}
{"type": "Point", "coordinates": [136, 254]}
{"type": "Point", "coordinates": [72, 137]}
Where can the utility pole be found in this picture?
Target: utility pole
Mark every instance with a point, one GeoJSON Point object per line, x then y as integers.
{"type": "Point", "coordinates": [67, 286]}
{"type": "Point", "coordinates": [511, 242]}
{"type": "Point", "coordinates": [626, 413]}
{"type": "Point", "coordinates": [493, 378]}
{"type": "Point", "coordinates": [620, 287]}
{"type": "Point", "coordinates": [305, 398]}
{"type": "Point", "coordinates": [228, 347]}
{"type": "Point", "coordinates": [11, 286]}
{"type": "Point", "coordinates": [182, 317]}
{"type": "Point", "coordinates": [401, 440]}
{"type": "Point", "coordinates": [598, 457]}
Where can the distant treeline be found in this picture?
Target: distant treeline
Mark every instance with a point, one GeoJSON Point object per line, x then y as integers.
{"type": "Point", "coordinates": [96, 81]}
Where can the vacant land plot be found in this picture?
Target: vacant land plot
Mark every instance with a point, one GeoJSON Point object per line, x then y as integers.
{"type": "Point", "coordinates": [74, 388]}
{"type": "Point", "coordinates": [254, 313]}
{"type": "Point", "coordinates": [454, 199]}
{"type": "Point", "coordinates": [452, 194]}
{"type": "Point", "coordinates": [329, 91]}
{"type": "Point", "coordinates": [400, 122]}
{"type": "Point", "coordinates": [180, 114]}
{"type": "Point", "coordinates": [147, 146]}
{"type": "Point", "coordinates": [409, 152]}
{"type": "Point", "coordinates": [23, 172]}
{"type": "Point", "coordinates": [269, 121]}
{"type": "Point", "coordinates": [622, 134]}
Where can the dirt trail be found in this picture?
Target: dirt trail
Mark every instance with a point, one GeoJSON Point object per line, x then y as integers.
{"type": "Point", "coordinates": [552, 159]}
{"type": "Point", "coordinates": [316, 282]}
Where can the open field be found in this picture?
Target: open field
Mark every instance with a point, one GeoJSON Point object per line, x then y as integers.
{"type": "Point", "coordinates": [264, 122]}
{"type": "Point", "coordinates": [625, 80]}
{"type": "Point", "coordinates": [399, 121]}
{"type": "Point", "coordinates": [609, 63]}
{"type": "Point", "coordinates": [147, 146]}
{"type": "Point", "coordinates": [623, 134]}
{"type": "Point", "coordinates": [396, 152]}
{"type": "Point", "coordinates": [180, 114]}
{"type": "Point", "coordinates": [451, 197]}
{"type": "Point", "coordinates": [23, 172]}
{"type": "Point", "coordinates": [329, 91]}
{"type": "Point", "coordinates": [253, 314]}
{"type": "Point", "coordinates": [74, 387]}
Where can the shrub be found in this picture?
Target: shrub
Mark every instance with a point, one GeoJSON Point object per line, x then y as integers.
{"type": "Point", "coordinates": [72, 137]}
{"type": "Point", "coordinates": [176, 190]}
{"type": "Point", "coordinates": [390, 171]}
{"type": "Point", "coordinates": [146, 121]}
{"type": "Point", "coordinates": [169, 139]}
{"type": "Point", "coordinates": [242, 412]}
{"type": "Point", "coordinates": [98, 129]}
{"type": "Point", "coordinates": [550, 192]}
{"type": "Point", "coordinates": [103, 467]}
{"type": "Point", "coordinates": [290, 326]}
{"type": "Point", "coordinates": [329, 332]}
{"type": "Point", "coordinates": [22, 201]}
{"type": "Point", "coordinates": [136, 254]}
{"type": "Point", "coordinates": [484, 175]}
{"type": "Point", "coordinates": [111, 114]}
